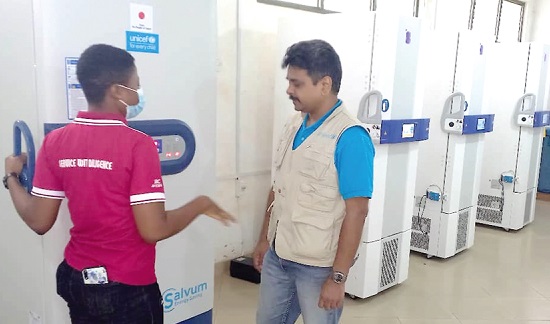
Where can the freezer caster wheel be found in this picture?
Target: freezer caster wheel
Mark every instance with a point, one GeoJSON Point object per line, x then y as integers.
{"type": "Point", "coordinates": [352, 296]}
{"type": "Point", "coordinates": [429, 256]}
{"type": "Point", "coordinates": [507, 229]}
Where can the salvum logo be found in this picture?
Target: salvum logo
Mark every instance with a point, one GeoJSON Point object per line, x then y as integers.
{"type": "Point", "coordinates": [173, 297]}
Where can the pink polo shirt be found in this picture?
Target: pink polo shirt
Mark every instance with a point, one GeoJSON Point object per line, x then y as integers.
{"type": "Point", "coordinates": [103, 167]}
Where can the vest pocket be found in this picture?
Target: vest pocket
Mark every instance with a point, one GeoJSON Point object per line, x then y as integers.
{"type": "Point", "coordinates": [316, 163]}
{"type": "Point", "coordinates": [284, 144]}
{"type": "Point", "coordinates": [276, 212]}
{"type": "Point", "coordinates": [280, 153]}
{"type": "Point", "coordinates": [318, 197]}
{"type": "Point", "coordinates": [312, 235]}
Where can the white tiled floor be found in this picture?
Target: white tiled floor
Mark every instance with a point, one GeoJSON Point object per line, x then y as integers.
{"type": "Point", "coordinates": [503, 279]}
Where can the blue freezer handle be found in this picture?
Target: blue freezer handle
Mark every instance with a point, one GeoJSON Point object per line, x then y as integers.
{"type": "Point", "coordinates": [20, 128]}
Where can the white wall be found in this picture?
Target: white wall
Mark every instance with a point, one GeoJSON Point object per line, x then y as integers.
{"type": "Point", "coordinates": [539, 24]}
{"type": "Point", "coordinates": [451, 14]}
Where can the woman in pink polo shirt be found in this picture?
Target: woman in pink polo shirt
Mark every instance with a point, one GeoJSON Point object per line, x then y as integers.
{"type": "Point", "coordinates": [110, 174]}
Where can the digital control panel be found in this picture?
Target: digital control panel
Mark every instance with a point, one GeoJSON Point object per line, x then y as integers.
{"type": "Point", "coordinates": [541, 118]}
{"type": "Point", "coordinates": [393, 131]}
{"type": "Point", "coordinates": [169, 147]}
{"type": "Point", "coordinates": [536, 119]}
{"type": "Point", "coordinates": [407, 131]}
{"type": "Point", "coordinates": [477, 124]}
{"type": "Point", "coordinates": [480, 124]}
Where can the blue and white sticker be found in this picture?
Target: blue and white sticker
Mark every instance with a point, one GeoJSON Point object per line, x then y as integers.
{"type": "Point", "coordinates": [142, 42]}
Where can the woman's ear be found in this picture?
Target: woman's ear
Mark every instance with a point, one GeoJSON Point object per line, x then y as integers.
{"type": "Point", "coordinates": [115, 92]}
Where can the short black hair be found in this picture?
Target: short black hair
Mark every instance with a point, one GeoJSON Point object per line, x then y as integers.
{"type": "Point", "coordinates": [318, 58]}
{"type": "Point", "coordinates": [99, 67]}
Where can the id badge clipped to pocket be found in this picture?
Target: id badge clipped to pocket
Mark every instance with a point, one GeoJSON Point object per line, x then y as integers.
{"type": "Point", "coordinates": [95, 276]}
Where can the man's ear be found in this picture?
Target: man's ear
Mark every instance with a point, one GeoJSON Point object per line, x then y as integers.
{"type": "Point", "coordinates": [326, 85]}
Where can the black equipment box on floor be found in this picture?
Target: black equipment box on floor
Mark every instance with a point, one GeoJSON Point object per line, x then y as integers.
{"type": "Point", "coordinates": [243, 268]}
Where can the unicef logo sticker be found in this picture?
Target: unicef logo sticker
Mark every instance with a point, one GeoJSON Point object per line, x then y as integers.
{"type": "Point", "coordinates": [152, 40]}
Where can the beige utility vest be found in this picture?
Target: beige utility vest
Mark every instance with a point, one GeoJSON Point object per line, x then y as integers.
{"type": "Point", "coordinates": [308, 209]}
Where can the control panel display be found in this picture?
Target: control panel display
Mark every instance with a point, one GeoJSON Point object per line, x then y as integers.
{"type": "Point", "coordinates": [408, 131]}
{"type": "Point", "coordinates": [158, 143]}
{"type": "Point", "coordinates": [480, 124]}
{"type": "Point", "coordinates": [169, 147]}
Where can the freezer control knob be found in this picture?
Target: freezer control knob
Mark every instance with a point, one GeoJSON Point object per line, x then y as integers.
{"type": "Point", "coordinates": [523, 119]}
{"type": "Point", "coordinates": [451, 124]}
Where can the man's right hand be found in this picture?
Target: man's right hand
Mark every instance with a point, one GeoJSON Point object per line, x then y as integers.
{"type": "Point", "coordinates": [259, 253]}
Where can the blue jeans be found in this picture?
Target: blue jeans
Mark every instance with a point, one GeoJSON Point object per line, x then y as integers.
{"type": "Point", "coordinates": [289, 289]}
{"type": "Point", "coordinates": [111, 303]}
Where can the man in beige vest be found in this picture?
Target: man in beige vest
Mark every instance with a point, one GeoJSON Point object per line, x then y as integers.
{"type": "Point", "coordinates": [323, 171]}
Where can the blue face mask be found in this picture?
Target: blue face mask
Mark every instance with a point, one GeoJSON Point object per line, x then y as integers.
{"type": "Point", "coordinates": [133, 111]}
